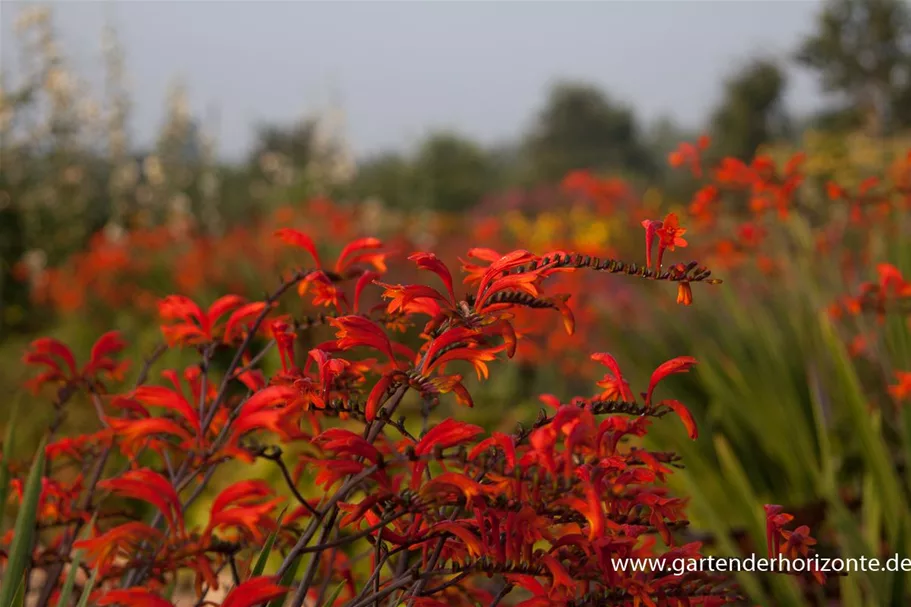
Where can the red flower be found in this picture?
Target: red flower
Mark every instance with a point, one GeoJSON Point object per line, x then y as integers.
{"type": "Point", "coordinates": [901, 390]}
{"type": "Point", "coordinates": [670, 234]}
{"type": "Point", "coordinates": [49, 352]}
{"type": "Point", "coordinates": [684, 293]}
{"type": "Point", "coordinates": [149, 486]}
{"type": "Point", "coordinates": [680, 364]}
{"type": "Point", "coordinates": [776, 518]}
{"type": "Point", "coordinates": [651, 232]}
{"type": "Point", "coordinates": [687, 153]}
{"type": "Point", "coordinates": [357, 331]}
{"type": "Point", "coordinates": [797, 543]}
{"type": "Point", "coordinates": [362, 250]}
{"type": "Point", "coordinates": [255, 591]}
{"type": "Point", "coordinates": [185, 323]}
{"type": "Point", "coordinates": [244, 506]}
{"type": "Point", "coordinates": [615, 386]}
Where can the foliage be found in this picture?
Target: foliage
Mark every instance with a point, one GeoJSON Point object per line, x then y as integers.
{"type": "Point", "coordinates": [579, 127]}
{"type": "Point", "coordinates": [800, 396]}
{"type": "Point", "coordinates": [862, 48]}
{"type": "Point", "coordinates": [439, 508]}
{"type": "Point", "coordinates": [751, 113]}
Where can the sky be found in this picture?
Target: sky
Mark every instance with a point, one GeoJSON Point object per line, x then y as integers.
{"type": "Point", "coordinates": [400, 70]}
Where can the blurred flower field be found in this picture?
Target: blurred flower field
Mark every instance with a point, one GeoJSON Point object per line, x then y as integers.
{"type": "Point", "coordinates": [801, 394]}
{"type": "Point", "coordinates": [215, 361]}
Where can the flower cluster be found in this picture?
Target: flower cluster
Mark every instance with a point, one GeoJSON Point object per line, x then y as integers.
{"type": "Point", "coordinates": [401, 505]}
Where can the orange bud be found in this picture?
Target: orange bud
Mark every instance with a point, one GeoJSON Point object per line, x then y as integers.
{"type": "Point", "coordinates": [684, 293]}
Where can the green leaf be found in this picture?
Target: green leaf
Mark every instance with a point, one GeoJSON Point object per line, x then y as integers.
{"type": "Point", "coordinates": [867, 430]}
{"type": "Point", "coordinates": [287, 580]}
{"type": "Point", "coordinates": [19, 597]}
{"type": "Point", "coordinates": [67, 588]}
{"type": "Point", "coordinates": [87, 589]}
{"type": "Point", "coordinates": [24, 531]}
{"type": "Point", "coordinates": [171, 589]}
{"type": "Point", "coordinates": [260, 565]}
{"type": "Point", "coordinates": [7, 457]}
{"type": "Point", "coordinates": [338, 590]}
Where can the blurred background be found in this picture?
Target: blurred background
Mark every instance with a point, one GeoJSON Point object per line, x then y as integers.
{"type": "Point", "coordinates": [149, 148]}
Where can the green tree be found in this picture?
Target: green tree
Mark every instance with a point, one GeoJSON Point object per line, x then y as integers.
{"type": "Point", "coordinates": [751, 112]}
{"type": "Point", "coordinates": [452, 173]}
{"type": "Point", "coordinates": [581, 128]}
{"type": "Point", "coordinates": [294, 142]}
{"type": "Point", "coordinates": [862, 50]}
{"type": "Point", "coordinates": [277, 165]}
{"type": "Point", "coordinates": [388, 177]}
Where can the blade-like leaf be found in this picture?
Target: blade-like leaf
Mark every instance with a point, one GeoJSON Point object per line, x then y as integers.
{"type": "Point", "coordinates": [260, 565]}
{"type": "Point", "coordinates": [67, 588]}
{"type": "Point", "coordinates": [332, 597]}
{"type": "Point", "coordinates": [287, 579]}
{"type": "Point", "coordinates": [19, 597]}
{"type": "Point", "coordinates": [7, 457]}
{"type": "Point", "coordinates": [170, 590]}
{"type": "Point", "coordinates": [24, 531]}
{"type": "Point", "coordinates": [87, 589]}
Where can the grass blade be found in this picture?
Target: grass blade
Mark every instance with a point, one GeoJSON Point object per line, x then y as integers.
{"type": "Point", "coordinates": [19, 597]}
{"type": "Point", "coordinates": [170, 590]}
{"type": "Point", "coordinates": [287, 579]}
{"type": "Point", "coordinates": [332, 597]}
{"type": "Point", "coordinates": [260, 565]}
{"type": "Point", "coordinates": [5, 463]}
{"type": "Point", "coordinates": [67, 588]}
{"type": "Point", "coordinates": [24, 531]}
{"type": "Point", "coordinates": [87, 589]}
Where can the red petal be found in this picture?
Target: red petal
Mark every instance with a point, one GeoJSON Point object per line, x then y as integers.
{"type": "Point", "coordinates": [267, 397]}
{"type": "Point", "coordinates": [149, 486]}
{"type": "Point", "coordinates": [222, 306]}
{"type": "Point", "coordinates": [685, 416]}
{"type": "Point", "coordinates": [49, 345]}
{"type": "Point", "coordinates": [503, 441]}
{"type": "Point", "coordinates": [680, 364]}
{"type": "Point", "coordinates": [109, 343]}
{"type": "Point", "coordinates": [158, 396]}
{"type": "Point", "coordinates": [358, 245]}
{"type": "Point", "coordinates": [611, 363]}
{"type": "Point", "coordinates": [240, 492]}
{"type": "Point", "coordinates": [340, 440]}
{"type": "Point", "coordinates": [569, 321]}
{"type": "Point", "coordinates": [365, 279]}
{"type": "Point", "coordinates": [299, 239]}
{"type": "Point", "coordinates": [471, 541]}
{"type": "Point", "coordinates": [447, 434]}
{"type": "Point", "coordinates": [242, 315]}
{"type": "Point", "coordinates": [254, 592]}
{"type": "Point", "coordinates": [560, 576]}
{"type": "Point", "coordinates": [429, 261]}
{"type": "Point", "coordinates": [178, 307]}
{"type": "Point", "coordinates": [377, 393]}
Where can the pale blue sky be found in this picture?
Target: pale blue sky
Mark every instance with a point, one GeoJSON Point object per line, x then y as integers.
{"type": "Point", "coordinates": [401, 69]}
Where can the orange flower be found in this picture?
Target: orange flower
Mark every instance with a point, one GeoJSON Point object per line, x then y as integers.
{"type": "Point", "coordinates": [687, 153]}
{"type": "Point", "coordinates": [615, 386]}
{"type": "Point", "coordinates": [684, 293]}
{"type": "Point", "coordinates": [901, 390]}
{"type": "Point", "coordinates": [185, 323]}
{"type": "Point", "coordinates": [670, 235]}
{"type": "Point", "coordinates": [255, 591]}
{"type": "Point", "coordinates": [651, 232]}
{"type": "Point", "coordinates": [797, 543]}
